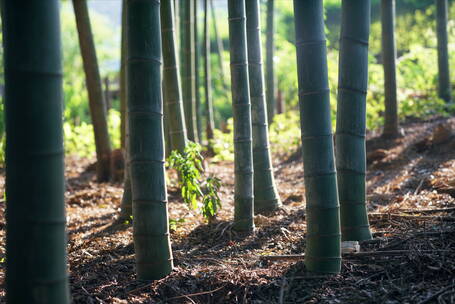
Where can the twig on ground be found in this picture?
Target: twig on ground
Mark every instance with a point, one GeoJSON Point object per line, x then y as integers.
{"type": "Point", "coordinates": [197, 294]}
{"type": "Point", "coordinates": [412, 217]}
{"type": "Point", "coordinates": [429, 210]}
{"type": "Point", "coordinates": [298, 257]}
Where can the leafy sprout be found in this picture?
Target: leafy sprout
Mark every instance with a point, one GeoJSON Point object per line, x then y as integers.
{"type": "Point", "coordinates": [189, 168]}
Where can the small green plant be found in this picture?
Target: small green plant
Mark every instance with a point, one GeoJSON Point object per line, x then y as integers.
{"type": "Point", "coordinates": [189, 168]}
{"type": "Point", "coordinates": [211, 202]}
{"type": "Point", "coordinates": [173, 224]}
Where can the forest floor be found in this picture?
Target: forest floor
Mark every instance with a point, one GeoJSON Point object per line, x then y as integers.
{"type": "Point", "coordinates": [411, 190]}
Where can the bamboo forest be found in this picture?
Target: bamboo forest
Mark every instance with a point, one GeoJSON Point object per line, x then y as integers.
{"type": "Point", "coordinates": [227, 151]}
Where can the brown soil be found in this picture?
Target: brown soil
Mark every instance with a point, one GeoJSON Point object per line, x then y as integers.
{"type": "Point", "coordinates": [411, 184]}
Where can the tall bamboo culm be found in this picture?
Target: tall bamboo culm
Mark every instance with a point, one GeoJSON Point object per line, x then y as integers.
{"type": "Point", "coordinates": [197, 78]}
{"type": "Point", "coordinates": [36, 265]}
{"type": "Point", "coordinates": [172, 88]}
{"type": "Point", "coordinates": [219, 44]}
{"type": "Point", "coordinates": [351, 119]}
{"type": "Point", "coordinates": [444, 87]}
{"type": "Point", "coordinates": [188, 68]}
{"type": "Point", "coordinates": [95, 90]}
{"type": "Point", "coordinates": [270, 72]}
{"type": "Point", "coordinates": [145, 117]}
{"type": "Point", "coordinates": [266, 197]}
{"type": "Point", "coordinates": [123, 79]}
{"type": "Point", "coordinates": [210, 125]}
{"type": "Point", "coordinates": [241, 108]}
{"type": "Point", "coordinates": [389, 54]}
{"type": "Point", "coordinates": [126, 207]}
{"type": "Point", "coordinates": [323, 220]}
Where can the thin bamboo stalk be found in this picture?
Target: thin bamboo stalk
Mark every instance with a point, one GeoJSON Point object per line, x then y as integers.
{"type": "Point", "coordinates": [445, 91]}
{"type": "Point", "coordinates": [389, 54]}
{"type": "Point", "coordinates": [172, 88]}
{"type": "Point", "coordinates": [95, 90]}
{"type": "Point", "coordinates": [243, 155]}
{"type": "Point", "coordinates": [266, 196]}
{"type": "Point", "coordinates": [210, 125]}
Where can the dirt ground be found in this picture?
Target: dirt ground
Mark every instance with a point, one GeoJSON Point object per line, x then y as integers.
{"type": "Point", "coordinates": [411, 190]}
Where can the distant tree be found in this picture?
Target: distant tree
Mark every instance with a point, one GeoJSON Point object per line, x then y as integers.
{"type": "Point", "coordinates": [389, 54]}
{"type": "Point", "coordinates": [322, 253]}
{"type": "Point", "coordinates": [443, 54]}
{"type": "Point", "coordinates": [210, 125]}
{"type": "Point", "coordinates": [172, 89]}
{"type": "Point", "coordinates": [270, 49]}
{"type": "Point", "coordinates": [219, 43]}
{"type": "Point", "coordinates": [188, 68]}
{"type": "Point", "coordinates": [145, 116]}
{"type": "Point", "coordinates": [265, 193]}
{"type": "Point", "coordinates": [36, 265]}
{"type": "Point", "coordinates": [94, 89]}
{"type": "Point", "coordinates": [197, 83]}
{"type": "Point", "coordinates": [123, 79]}
{"type": "Point", "coordinates": [351, 119]}
{"type": "Point", "coordinates": [126, 207]}
{"type": "Point", "coordinates": [241, 108]}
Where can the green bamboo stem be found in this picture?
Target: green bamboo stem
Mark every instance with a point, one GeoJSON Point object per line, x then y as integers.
{"type": "Point", "coordinates": [172, 88]}
{"type": "Point", "coordinates": [219, 44]}
{"type": "Point", "coordinates": [323, 220]}
{"type": "Point", "coordinates": [123, 79]}
{"type": "Point", "coordinates": [266, 196]}
{"type": "Point", "coordinates": [270, 50]}
{"type": "Point", "coordinates": [176, 6]}
{"type": "Point", "coordinates": [95, 90]}
{"type": "Point", "coordinates": [197, 46]}
{"type": "Point", "coordinates": [36, 265]}
{"type": "Point", "coordinates": [145, 116]}
{"type": "Point", "coordinates": [210, 124]}
{"type": "Point", "coordinates": [126, 205]}
{"type": "Point", "coordinates": [351, 119]}
{"type": "Point", "coordinates": [389, 55]}
{"type": "Point", "coordinates": [241, 108]}
{"type": "Point", "coordinates": [444, 89]}
{"type": "Point", "coordinates": [188, 69]}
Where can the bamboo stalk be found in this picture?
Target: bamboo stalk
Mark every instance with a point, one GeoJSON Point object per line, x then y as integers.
{"type": "Point", "coordinates": [323, 218]}
{"type": "Point", "coordinates": [188, 68]}
{"type": "Point", "coordinates": [126, 205]}
{"type": "Point", "coordinates": [36, 265]}
{"type": "Point", "coordinates": [197, 83]}
{"type": "Point", "coordinates": [270, 73]}
{"type": "Point", "coordinates": [172, 88]}
{"type": "Point", "coordinates": [243, 156]}
{"type": "Point", "coordinates": [266, 196]}
{"type": "Point", "coordinates": [145, 116]}
{"type": "Point", "coordinates": [95, 90]}
{"type": "Point", "coordinates": [210, 125]}
{"type": "Point", "coordinates": [219, 43]}
{"type": "Point", "coordinates": [389, 54]}
{"type": "Point", "coordinates": [351, 119]}
{"type": "Point", "coordinates": [444, 88]}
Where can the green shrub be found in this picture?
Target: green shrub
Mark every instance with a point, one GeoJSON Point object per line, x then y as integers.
{"type": "Point", "coordinates": [194, 191]}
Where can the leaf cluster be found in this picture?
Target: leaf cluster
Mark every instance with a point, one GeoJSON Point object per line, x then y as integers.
{"type": "Point", "coordinates": [211, 202]}
{"type": "Point", "coordinates": [189, 168]}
